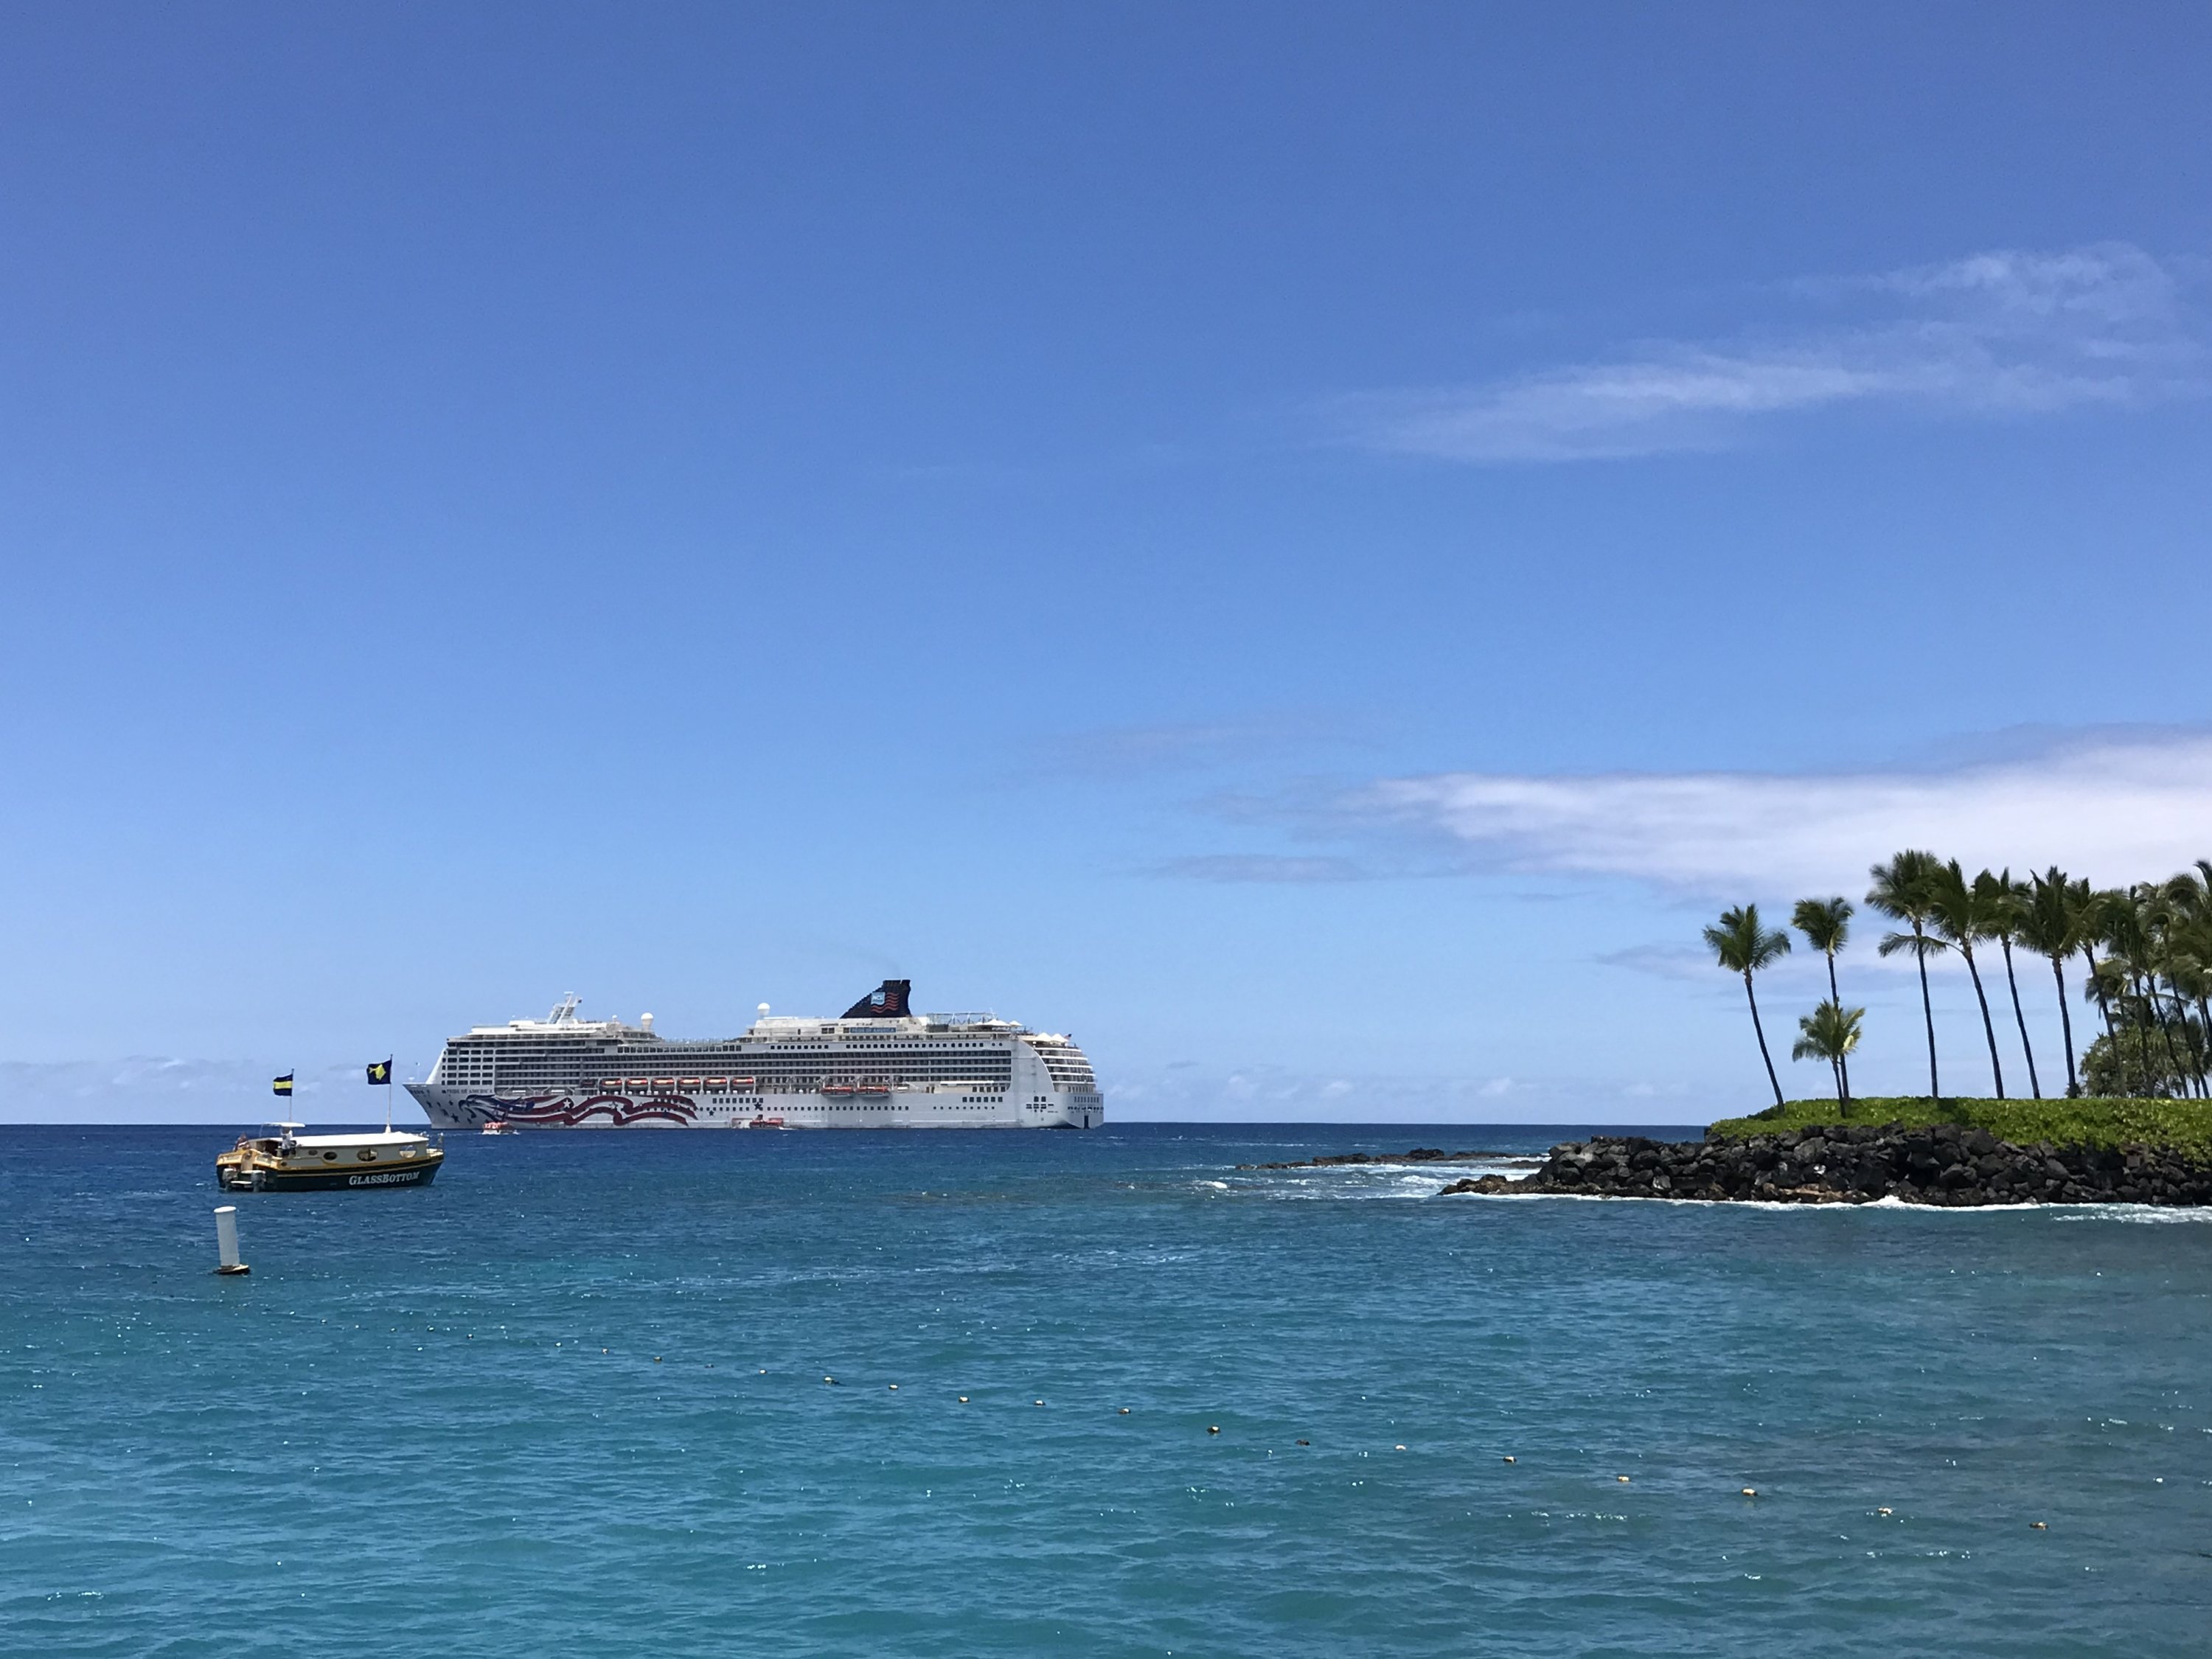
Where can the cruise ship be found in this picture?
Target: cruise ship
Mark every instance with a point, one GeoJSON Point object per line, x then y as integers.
{"type": "Point", "coordinates": [878, 1066]}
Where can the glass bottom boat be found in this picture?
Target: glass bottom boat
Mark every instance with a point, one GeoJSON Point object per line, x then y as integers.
{"type": "Point", "coordinates": [283, 1160]}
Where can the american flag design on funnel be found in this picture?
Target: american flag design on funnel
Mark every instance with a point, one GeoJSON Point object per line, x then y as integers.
{"type": "Point", "coordinates": [886, 1001]}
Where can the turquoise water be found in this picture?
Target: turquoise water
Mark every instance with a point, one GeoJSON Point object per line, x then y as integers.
{"type": "Point", "coordinates": [571, 1400]}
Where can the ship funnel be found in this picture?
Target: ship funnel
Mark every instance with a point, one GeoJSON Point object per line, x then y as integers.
{"type": "Point", "coordinates": [889, 1002]}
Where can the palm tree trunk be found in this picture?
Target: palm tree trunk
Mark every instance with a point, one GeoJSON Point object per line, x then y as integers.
{"type": "Point", "coordinates": [1989, 1030]}
{"type": "Point", "coordinates": [2066, 1020]}
{"type": "Point", "coordinates": [2033, 1081]}
{"type": "Point", "coordinates": [2203, 1036]}
{"type": "Point", "coordinates": [2192, 1064]}
{"type": "Point", "coordinates": [2166, 1032]}
{"type": "Point", "coordinates": [1843, 1065]}
{"type": "Point", "coordinates": [1843, 1101]}
{"type": "Point", "coordinates": [2147, 994]}
{"type": "Point", "coordinates": [2105, 1007]}
{"type": "Point", "coordinates": [1774, 1081]}
{"type": "Point", "coordinates": [1927, 1013]}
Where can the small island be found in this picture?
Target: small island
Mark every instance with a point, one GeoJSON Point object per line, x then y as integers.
{"type": "Point", "coordinates": [1952, 1153]}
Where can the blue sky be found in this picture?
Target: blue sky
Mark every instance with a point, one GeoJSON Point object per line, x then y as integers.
{"type": "Point", "coordinates": [1313, 545]}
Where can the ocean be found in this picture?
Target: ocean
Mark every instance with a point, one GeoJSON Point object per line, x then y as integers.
{"type": "Point", "coordinates": [575, 1399]}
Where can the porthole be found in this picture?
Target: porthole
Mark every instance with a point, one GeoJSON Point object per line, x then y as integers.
{"type": "Point", "coordinates": [366, 1155]}
{"type": "Point", "coordinates": [330, 1158]}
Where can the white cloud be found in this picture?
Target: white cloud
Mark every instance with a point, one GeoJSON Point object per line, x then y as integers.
{"type": "Point", "coordinates": [1258, 866]}
{"type": "Point", "coordinates": [2000, 333]}
{"type": "Point", "coordinates": [156, 1089]}
{"type": "Point", "coordinates": [1274, 1094]}
{"type": "Point", "coordinates": [2115, 810]}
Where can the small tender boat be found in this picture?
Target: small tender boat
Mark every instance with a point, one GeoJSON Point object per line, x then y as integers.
{"type": "Point", "coordinates": [760, 1123]}
{"type": "Point", "coordinates": [499, 1125]}
{"type": "Point", "coordinates": [285, 1160]}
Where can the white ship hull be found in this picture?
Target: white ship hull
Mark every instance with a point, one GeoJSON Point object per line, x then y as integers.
{"type": "Point", "coordinates": [898, 1109]}
{"type": "Point", "coordinates": [877, 1066]}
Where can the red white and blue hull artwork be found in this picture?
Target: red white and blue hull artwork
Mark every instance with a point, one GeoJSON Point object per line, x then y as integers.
{"type": "Point", "coordinates": [878, 1066]}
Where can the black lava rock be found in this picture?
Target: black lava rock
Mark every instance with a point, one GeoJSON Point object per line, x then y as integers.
{"type": "Point", "coordinates": [1947, 1164]}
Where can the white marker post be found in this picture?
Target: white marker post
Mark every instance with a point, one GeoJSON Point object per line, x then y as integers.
{"type": "Point", "coordinates": [226, 1240]}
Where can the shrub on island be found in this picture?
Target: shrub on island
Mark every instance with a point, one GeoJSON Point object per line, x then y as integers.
{"type": "Point", "coordinates": [2181, 1125]}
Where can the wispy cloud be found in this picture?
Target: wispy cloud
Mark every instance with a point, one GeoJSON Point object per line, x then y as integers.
{"type": "Point", "coordinates": [165, 1089]}
{"type": "Point", "coordinates": [1276, 1094]}
{"type": "Point", "coordinates": [2001, 333]}
{"type": "Point", "coordinates": [1259, 866]}
{"type": "Point", "coordinates": [2113, 809]}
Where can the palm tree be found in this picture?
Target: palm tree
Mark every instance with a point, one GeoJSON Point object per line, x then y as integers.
{"type": "Point", "coordinates": [1827, 924]}
{"type": "Point", "coordinates": [1743, 946]}
{"type": "Point", "coordinates": [1956, 912]}
{"type": "Point", "coordinates": [2105, 984]}
{"type": "Point", "coordinates": [2191, 981]}
{"type": "Point", "coordinates": [1830, 1032]}
{"type": "Point", "coordinates": [1900, 891]}
{"type": "Point", "coordinates": [2004, 899]}
{"type": "Point", "coordinates": [2190, 933]}
{"type": "Point", "coordinates": [2091, 907]}
{"type": "Point", "coordinates": [2155, 907]}
{"type": "Point", "coordinates": [2044, 923]}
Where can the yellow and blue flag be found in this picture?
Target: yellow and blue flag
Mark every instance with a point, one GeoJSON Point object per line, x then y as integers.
{"type": "Point", "coordinates": [282, 1085]}
{"type": "Point", "coordinates": [379, 1071]}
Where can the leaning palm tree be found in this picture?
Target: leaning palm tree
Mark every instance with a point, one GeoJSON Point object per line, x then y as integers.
{"type": "Point", "coordinates": [2092, 909]}
{"type": "Point", "coordinates": [2003, 899]}
{"type": "Point", "coordinates": [1900, 891]}
{"type": "Point", "coordinates": [2160, 947]}
{"type": "Point", "coordinates": [2187, 974]}
{"type": "Point", "coordinates": [1743, 946]}
{"type": "Point", "coordinates": [1956, 912]}
{"type": "Point", "coordinates": [2044, 923]}
{"type": "Point", "coordinates": [1827, 924]}
{"type": "Point", "coordinates": [1830, 1032]}
{"type": "Point", "coordinates": [2189, 939]}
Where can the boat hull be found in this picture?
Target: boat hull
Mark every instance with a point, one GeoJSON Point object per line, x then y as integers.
{"type": "Point", "coordinates": [420, 1172]}
{"type": "Point", "coordinates": [896, 1109]}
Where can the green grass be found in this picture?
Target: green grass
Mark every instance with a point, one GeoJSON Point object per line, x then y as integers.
{"type": "Point", "coordinates": [2183, 1125]}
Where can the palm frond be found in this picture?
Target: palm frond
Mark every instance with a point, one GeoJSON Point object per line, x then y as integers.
{"type": "Point", "coordinates": [1826, 923]}
{"type": "Point", "coordinates": [1742, 943]}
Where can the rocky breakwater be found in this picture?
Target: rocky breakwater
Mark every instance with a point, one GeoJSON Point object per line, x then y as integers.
{"type": "Point", "coordinates": [1419, 1155]}
{"type": "Point", "coordinates": [1857, 1164]}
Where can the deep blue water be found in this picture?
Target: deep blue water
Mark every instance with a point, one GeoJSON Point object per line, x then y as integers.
{"type": "Point", "coordinates": [571, 1400]}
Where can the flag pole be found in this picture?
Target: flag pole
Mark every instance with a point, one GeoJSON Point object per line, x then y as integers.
{"type": "Point", "coordinates": [387, 1097]}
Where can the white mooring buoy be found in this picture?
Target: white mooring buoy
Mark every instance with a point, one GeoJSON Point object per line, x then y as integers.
{"type": "Point", "coordinates": [226, 1240]}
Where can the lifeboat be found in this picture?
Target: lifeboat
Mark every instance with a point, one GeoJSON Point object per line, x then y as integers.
{"type": "Point", "coordinates": [872, 1088]}
{"type": "Point", "coordinates": [840, 1088]}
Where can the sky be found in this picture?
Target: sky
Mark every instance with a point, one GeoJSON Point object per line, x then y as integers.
{"type": "Point", "coordinates": [1311, 546]}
